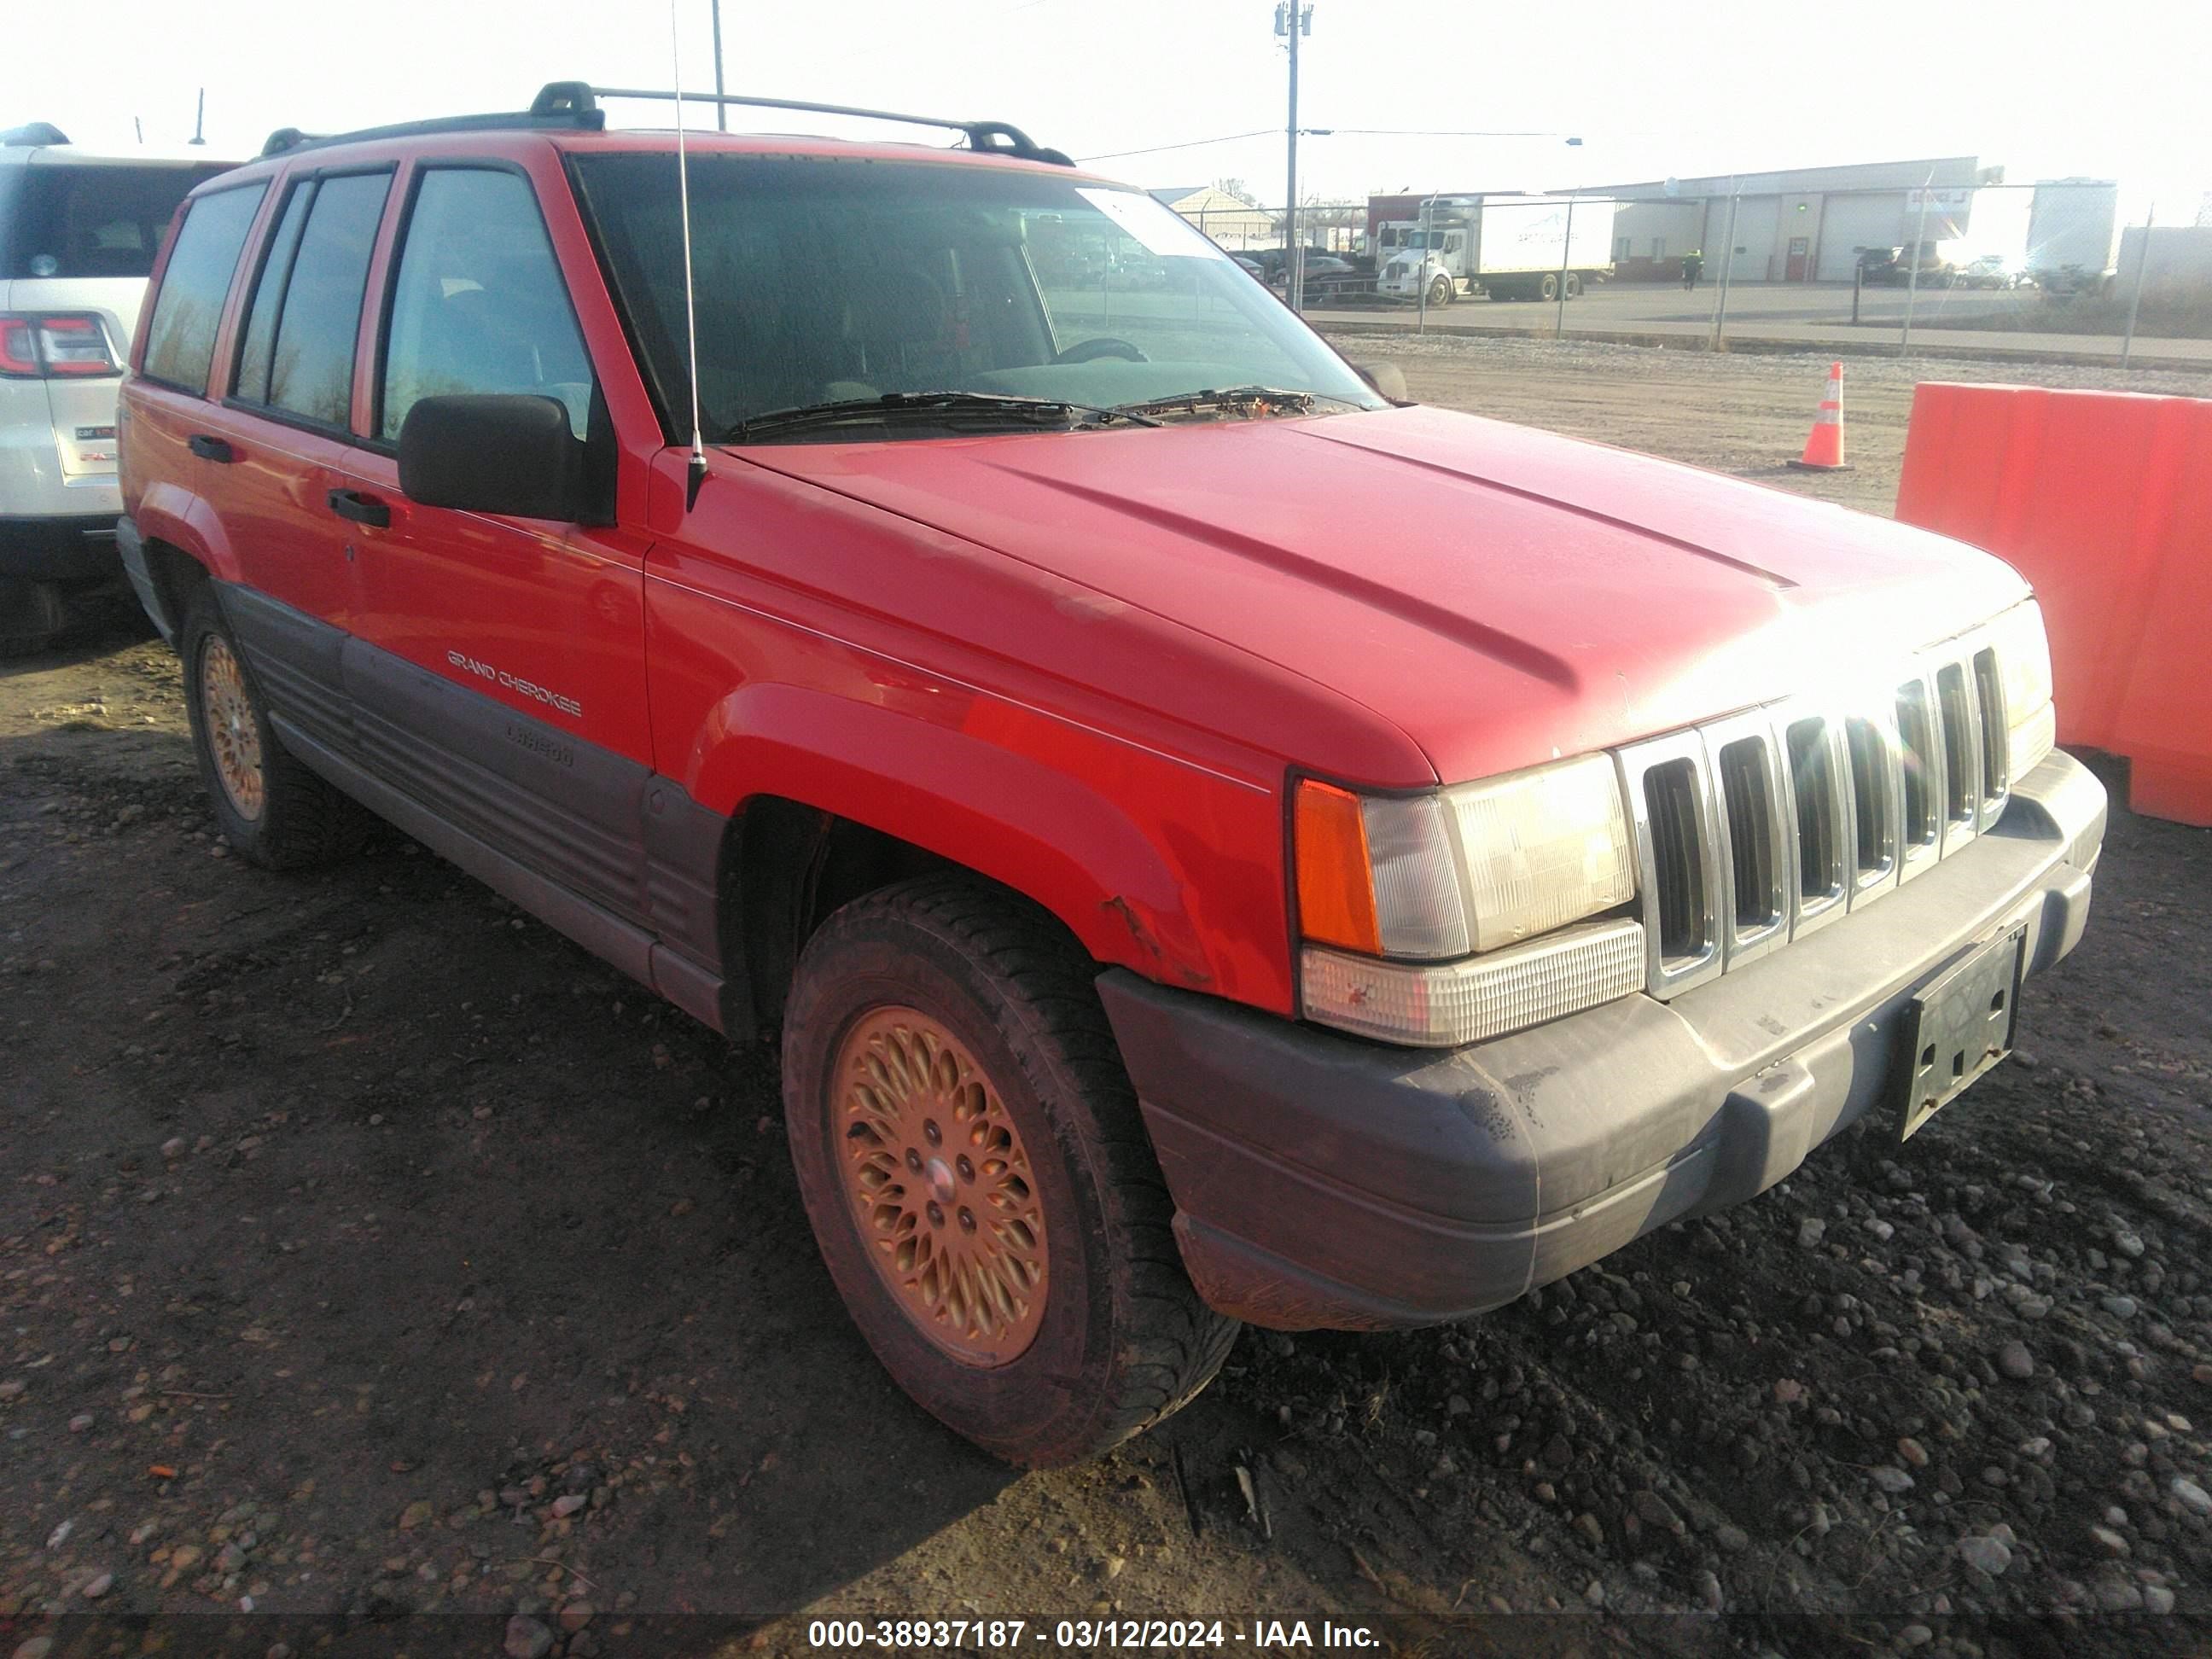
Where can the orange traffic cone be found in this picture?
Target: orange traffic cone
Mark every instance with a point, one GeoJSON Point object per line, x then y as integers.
{"type": "Point", "coordinates": [1824, 445]}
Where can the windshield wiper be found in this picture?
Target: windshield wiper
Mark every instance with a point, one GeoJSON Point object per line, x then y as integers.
{"type": "Point", "coordinates": [1253, 400]}
{"type": "Point", "coordinates": [965, 408]}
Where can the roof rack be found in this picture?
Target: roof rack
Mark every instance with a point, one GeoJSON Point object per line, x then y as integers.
{"type": "Point", "coordinates": [999, 138]}
{"type": "Point", "coordinates": [286, 139]}
{"type": "Point", "coordinates": [572, 106]}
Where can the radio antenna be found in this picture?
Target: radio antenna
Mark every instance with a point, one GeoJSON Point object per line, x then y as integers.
{"type": "Point", "coordinates": [697, 474]}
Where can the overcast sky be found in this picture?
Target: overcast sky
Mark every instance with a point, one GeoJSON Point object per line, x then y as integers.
{"type": "Point", "coordinates": [2047, 88]}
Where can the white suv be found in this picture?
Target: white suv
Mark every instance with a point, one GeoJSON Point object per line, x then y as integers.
{"type": "Point", "coordinates": [77, 238]}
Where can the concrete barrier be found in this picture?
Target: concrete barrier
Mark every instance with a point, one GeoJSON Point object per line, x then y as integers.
{"type": "Point", "coordinates": [2103, 499]}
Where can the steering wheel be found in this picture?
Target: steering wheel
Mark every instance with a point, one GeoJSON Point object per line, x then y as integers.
{"type": "Point", "coordinates": [1104, 345]}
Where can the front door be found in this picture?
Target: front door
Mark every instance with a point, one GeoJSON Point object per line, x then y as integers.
{"type": "Point", "coordinates": [1801, 259]}
{"type": "Point", "coordinates": [498, 667]}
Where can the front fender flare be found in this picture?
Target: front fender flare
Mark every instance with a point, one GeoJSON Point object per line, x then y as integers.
{"type": "Point", "coordinates": [981, 794]}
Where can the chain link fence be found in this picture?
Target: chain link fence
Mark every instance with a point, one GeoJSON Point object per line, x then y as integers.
{"type": "Point", "coordinates": [2053, 266]}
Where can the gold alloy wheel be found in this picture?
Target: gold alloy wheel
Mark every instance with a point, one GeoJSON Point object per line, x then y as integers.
{"type": "Point", "coordinates": [940, 1185]}
{"type": "Point", "coordinates": [233, 736]}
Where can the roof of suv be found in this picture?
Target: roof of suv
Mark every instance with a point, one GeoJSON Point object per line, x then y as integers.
{"type": "Point", "coordinates": [570, 111]}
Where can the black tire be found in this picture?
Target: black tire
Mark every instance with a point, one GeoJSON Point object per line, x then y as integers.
{"type": "Point", "coordinates": [1574, 285]}
{"type": "Point", "coordinates": [1547, 287]}
{"type": "Point", "coordinates": [1119, 1339]}
{"type": "Point", "coordinates": [1440, 291]}
{"type": "Point", "coordinates": [31, 615]}
{"type": "Point", "coordinates": [299, 820]}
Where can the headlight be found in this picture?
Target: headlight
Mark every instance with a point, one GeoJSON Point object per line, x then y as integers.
{"type": "Point", "coordinates": [1463, 871]}
{"type": "Point", "coordinates": [2024, 668]}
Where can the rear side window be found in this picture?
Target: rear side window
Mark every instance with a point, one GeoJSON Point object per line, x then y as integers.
{"type": "Point", "coordinates": [479, 304]}
{"type": "Point", "coordinates": [180, 339]}
{"type": "Point", "coordinates": [269, 293]}
{"type": "Point", "coordinates": [90, 219]}
{"type": "Point", "coordinates": [300, 333]}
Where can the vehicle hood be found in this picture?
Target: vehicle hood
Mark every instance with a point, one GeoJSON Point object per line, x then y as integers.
{"type": "Point", "coordinates": [1500, 594]}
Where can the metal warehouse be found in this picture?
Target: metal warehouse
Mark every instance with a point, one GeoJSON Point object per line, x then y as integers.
{"type": "Point", "coordinates": [1806, 224]}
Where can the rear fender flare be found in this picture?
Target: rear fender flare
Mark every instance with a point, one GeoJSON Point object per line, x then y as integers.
{"type": "Point", "coordinates": [168, 513]}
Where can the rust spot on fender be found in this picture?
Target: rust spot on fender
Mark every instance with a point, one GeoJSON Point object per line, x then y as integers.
{"type": "Point", "coordinates": [1151, 946]}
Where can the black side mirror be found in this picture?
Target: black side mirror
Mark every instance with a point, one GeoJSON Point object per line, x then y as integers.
{"type": "Point", "coordinates": [1387, 378]}
{"type": "Point", "coordinates": [505, 453]}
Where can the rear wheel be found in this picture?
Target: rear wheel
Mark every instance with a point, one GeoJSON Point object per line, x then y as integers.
{"type": "Point", "coordinates": [1574, 285]}
{"type": "Point", "coordinates": [1548, 286]}
{"type": "Point", "coordinates": [978, 1178]}
{"type": "Point", "coordinates": [268, 805]}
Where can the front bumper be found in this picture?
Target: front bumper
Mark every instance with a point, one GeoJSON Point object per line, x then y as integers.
{"type": "Point", "coordinates": [1322, 1181]}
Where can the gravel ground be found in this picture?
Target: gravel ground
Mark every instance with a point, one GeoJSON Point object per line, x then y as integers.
{"type": "Point", "coordinates": [367, 1250]}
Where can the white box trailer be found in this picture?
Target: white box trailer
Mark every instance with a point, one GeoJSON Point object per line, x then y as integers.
{"type": "Point", "coordinates": [1510, 247]}
{"type": "Point", "coordinates": [2073, 232]}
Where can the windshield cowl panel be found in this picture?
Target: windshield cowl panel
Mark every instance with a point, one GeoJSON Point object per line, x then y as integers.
{"type": "Point", "coordinates": [1080, 301]}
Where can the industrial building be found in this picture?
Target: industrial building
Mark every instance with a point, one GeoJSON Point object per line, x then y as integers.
{"type": "Point", "coordinates": [1230, 220]}
{"type": "Point", "coordinates": [1805, 224]}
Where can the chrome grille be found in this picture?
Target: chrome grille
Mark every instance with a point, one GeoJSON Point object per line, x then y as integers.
{"type": "Point", "coordinates": [1760, 828]}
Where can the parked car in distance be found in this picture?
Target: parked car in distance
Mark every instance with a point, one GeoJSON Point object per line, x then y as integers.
{"type": "Point", "coordinates": [1892, 267]}
{"type": "Point", "coordinates": [1991, 271]}
{"type": "Point", "coordinates": [1181, 892]}
{"type": "Point", "coordinates": [78, 232]}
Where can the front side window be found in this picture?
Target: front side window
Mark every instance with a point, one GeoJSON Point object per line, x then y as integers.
{"type": "Point", "coordinates": [478, 306]}
{"type": "Point", "coordinates": [300, 334]}
{"type": "Point", "coordinates": [826, 281]}
{"type": "Point", "coordinates": [180, 338]}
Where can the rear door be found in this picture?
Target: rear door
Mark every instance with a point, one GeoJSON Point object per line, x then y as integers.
{"type": "Point", "coordinates": [499, 670]}
{"type": "Point", "coordinates": [284, 429]}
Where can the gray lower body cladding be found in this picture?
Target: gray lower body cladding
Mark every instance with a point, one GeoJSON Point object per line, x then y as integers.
{"type": "Point", "coordinates": [598, 845]}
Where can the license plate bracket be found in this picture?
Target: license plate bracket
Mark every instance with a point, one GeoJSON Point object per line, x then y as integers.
{"type": "Point", "coordinates": [1959, 1025]}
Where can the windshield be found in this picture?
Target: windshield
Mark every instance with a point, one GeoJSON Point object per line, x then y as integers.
{"type": "Point", "coordinates": [821, 281]}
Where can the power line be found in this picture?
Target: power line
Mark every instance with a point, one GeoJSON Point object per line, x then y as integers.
{"type": "Point", "coordinates": [1317, 132]}
{"type": "Point", "coordinates": [1196, 143]}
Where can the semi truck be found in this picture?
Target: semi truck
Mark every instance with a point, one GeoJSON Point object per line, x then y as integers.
{"type": "Point", "coordinates": [1509, 247]}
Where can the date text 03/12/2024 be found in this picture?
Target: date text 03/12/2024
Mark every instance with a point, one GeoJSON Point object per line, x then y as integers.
{"type": "Point", "coordinates": [1088, 1635]}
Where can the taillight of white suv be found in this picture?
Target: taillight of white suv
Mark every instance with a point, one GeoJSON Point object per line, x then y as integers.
{"type": "Point", "coordinates": [55, 345]}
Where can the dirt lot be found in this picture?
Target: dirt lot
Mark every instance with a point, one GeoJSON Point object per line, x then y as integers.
{"type": "Point", "coordinates": [366, 1249]}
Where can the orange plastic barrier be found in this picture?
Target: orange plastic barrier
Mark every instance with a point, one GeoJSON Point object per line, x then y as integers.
{"type": "Point", "coordinates": [2102, 499]}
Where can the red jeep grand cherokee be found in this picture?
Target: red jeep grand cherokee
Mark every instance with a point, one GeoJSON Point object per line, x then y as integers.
{"type": "Point", "coordinates": [1217, 844]}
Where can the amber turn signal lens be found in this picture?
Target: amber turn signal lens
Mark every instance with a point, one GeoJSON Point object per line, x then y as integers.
{"type": "Point", "coordinates": [1336, 888]}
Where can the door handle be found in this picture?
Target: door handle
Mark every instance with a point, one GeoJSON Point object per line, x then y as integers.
{"type": "Point", "coordinates": [211, 448]}
{"type": "Point", "coordinates": [362, 509]}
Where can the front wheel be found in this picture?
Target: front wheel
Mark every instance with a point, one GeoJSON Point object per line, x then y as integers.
{"type": "Point", "coordinates": [1440, 291]}
{"type": "Point", "coordinates": [978, 1178]}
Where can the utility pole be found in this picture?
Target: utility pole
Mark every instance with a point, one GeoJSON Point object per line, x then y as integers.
{"type": "Point", "coordinates": [199, 121]}
{"type": "Point", "coordinates": [721, 109]}
{"type": "Point", "coordinates": [1293, 18]}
